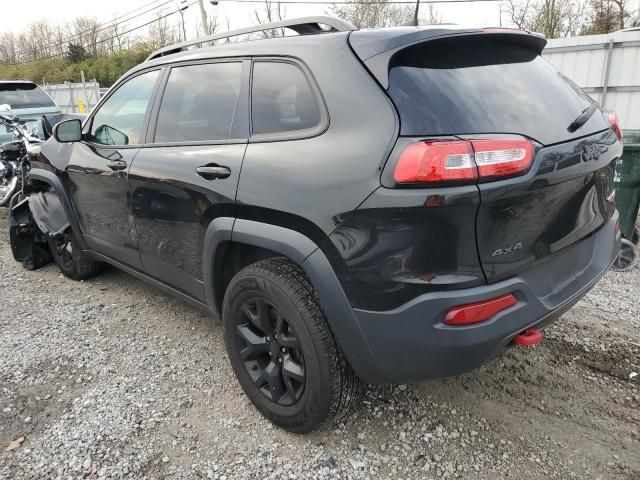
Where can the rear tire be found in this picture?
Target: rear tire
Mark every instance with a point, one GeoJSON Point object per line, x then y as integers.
{"type": "Point", "coordinates": [71, 261]}
{"type": "Point", "coordinates": [282, 350]}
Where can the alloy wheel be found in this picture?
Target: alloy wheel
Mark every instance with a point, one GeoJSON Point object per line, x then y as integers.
{"type": "Point", "coordinates": [271, 352]}
{"type": "Point", "coordinates": [64, 250]}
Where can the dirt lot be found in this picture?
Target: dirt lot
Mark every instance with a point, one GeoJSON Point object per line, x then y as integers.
{"type": "Point", "coordinates": [110, 378]}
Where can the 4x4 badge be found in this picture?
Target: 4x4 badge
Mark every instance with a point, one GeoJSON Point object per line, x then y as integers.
{"type": "Point", "coordinates": [506, 251]}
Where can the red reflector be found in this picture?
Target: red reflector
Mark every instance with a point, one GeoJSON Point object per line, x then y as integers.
{"type": "Point", "coordinates": [479, 311]}
{"type": "Point", "coordinates": [502, 157]}
{"type": "Point", "coordinates": [435, 162]}
{"type": "Point", "coordinates": [463, 161]}
{"type": "Point", "coordinates": [613, 119]}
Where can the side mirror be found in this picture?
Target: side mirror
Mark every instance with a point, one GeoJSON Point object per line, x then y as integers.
{"type": "Point", "coordinates": [68, 131]}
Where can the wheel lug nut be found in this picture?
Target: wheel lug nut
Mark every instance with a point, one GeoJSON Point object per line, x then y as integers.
{"type": "Point", "coordinates": [283, 350]}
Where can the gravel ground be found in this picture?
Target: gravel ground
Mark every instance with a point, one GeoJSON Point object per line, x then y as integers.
{"type": "Point", "coordinates": [111, 378]}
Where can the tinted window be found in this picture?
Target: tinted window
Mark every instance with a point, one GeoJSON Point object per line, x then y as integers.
{"type": "Point", "coordinates": [485, 86]}
{"type": "Point", "coordinates": [199, 103]}
{"type": "Point", "coordinates": [120, 119]}
{"type": "Point", "coordinates": [24, 95]}
{"type": "Point", "coordinates": [282, 99]}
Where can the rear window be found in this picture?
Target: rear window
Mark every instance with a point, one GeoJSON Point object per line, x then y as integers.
{"type": "Point", "coordinates": [485, 85]}
{"type": "Point", "coordinates": [24, 95]}
{"type": "Point", "coordinates": [282, 99]}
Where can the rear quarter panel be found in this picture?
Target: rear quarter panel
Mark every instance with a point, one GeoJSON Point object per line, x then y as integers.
{"type": "Point", "coordinates": [311, 185]}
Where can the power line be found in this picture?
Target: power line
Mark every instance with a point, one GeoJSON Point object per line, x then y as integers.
{"type": "Point", "coordinates": [110, 38]}
{"type": "Point", "coordinates": [159, 7]}
{"type": "Point", "coordinates": [356, 2]}
{"type": "Point", "coordinates": [109, 24]}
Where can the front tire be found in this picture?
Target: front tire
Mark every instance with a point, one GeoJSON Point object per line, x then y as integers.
{"type": "Point", "coordinates": [70, 259]}
{"type": "Point", "coordinates": [282, 350]}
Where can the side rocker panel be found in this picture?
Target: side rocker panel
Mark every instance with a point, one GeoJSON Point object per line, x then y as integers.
{"type": "Point", "coordinates": [305, 253]}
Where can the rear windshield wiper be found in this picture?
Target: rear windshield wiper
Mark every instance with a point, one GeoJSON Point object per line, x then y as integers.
{"type": "Point", "coordinates": [583, 117]}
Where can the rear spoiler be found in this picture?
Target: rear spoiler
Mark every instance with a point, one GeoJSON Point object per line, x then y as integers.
{"type": "Point", "coordinates": [376, 53]}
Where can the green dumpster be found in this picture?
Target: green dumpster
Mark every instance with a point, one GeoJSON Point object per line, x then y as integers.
{"type": "Point", "coordinates": [627, 183]}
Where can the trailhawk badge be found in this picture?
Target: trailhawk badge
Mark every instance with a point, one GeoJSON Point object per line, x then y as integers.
{"type": "Point", "coordinates": [507, 251]}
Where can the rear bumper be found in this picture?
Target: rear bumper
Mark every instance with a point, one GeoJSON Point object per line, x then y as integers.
{"type": "Point", "coordinates": [411, 343]}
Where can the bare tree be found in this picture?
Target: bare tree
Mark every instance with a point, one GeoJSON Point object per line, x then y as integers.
{"type": "Point", "coordinates": [86, 32]}
{"type": "Point", "coordinates": [113, 38]}
{"type": "Point", "coordinates": [374, 13]}
{"type": "Point", "coordinates": [520, 12]}
{"type": "Point", "coordinates": [212, 26]}
{"type": "Point", "coordinates": [271, 12]}
{"type": "Point", "coordinates": [8, 47]}
{"type": "Point", "coordinates": [59, 40]}
{"type": "Point", "coordinates": [608, 16]}
{"type": "Point", "coordinates": [553, 18]}
{"type": "Point", "coordinates": [433, 18]}
{"type": "Point", "coordinates": [162, 33]}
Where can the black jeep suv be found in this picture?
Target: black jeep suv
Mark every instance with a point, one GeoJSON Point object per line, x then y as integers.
{"type": "Point", "coordinates": [383, 205]}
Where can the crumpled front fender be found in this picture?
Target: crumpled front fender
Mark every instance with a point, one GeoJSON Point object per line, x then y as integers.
{"type": "Point", "coordinates": [28, 244]}
{"type": "Point", "coordinates": [48, 213]}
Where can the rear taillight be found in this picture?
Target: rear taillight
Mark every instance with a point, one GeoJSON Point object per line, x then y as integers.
{"type": "Point", "coordinates": [479, 311]}
{"type": "Point", "coordinates": [501, 158]}
{"type": "Point", "coordinates": [463, 161]}
{"type": "Point", "coordinates": [436, 162]}
{"type": "Point", "coordinates": [613, 119]}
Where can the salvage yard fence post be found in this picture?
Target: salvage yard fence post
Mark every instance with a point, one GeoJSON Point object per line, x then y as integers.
{"type": "Point", "coordinates": [607, 67]}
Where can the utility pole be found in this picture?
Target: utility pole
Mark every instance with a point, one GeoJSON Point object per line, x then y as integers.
{"type": "Point", "coordinates": [203, 14]}
{"type": "Point", "coordinates": [416, 13]}
{"type": "Point", "coordinates": [181, 8]}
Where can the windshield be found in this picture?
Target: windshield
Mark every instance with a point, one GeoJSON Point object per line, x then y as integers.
{"type": "Point", "coordinates": [24, 95]}
{"type": "Point", "coordinates": [485, 85]}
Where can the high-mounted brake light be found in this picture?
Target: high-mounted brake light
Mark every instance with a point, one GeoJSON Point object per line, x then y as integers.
{"type": "Point", "coordinates": [479, 311]}
{"type": "Point", "coordinates": [463, 161]}
{"type": "Point", "coordinates": [613, 120]}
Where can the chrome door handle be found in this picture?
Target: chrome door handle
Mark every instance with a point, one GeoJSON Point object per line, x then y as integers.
{"type": "Point", "coordinates": [117, 165]}
{"type": "Point", "coordinates": [211, 172]}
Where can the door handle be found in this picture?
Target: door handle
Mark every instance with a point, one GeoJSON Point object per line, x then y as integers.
{"type": "Point", "coordinates": [116, 165]}
{"type": "Point", "coordinates": [211, 172]}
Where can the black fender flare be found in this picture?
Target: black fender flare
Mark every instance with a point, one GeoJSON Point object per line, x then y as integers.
{"type": "Point", "coordinates": [58, 208]}
{"type": "Point", "coordinates": [304, 252]}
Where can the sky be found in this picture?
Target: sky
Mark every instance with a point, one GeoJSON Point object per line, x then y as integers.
{"type": "Point", "coordinates": [15, 17]}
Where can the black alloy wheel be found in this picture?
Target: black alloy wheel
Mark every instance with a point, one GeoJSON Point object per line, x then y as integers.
{"type": "Point", "coordinates": [72, 262]}
{"type": "Point", "coordinates": [282, 350]}
{"type": "Point", "coordinates": [62, 250]}
{"type": "Point", "coordinates": [271, 352]}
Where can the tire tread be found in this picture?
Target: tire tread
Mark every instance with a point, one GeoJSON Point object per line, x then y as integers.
{"type": "Point", "coordinates": [347, 387]}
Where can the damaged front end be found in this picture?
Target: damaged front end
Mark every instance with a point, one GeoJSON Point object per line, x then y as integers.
{"type": "Point", "coordinates": [37, 217]}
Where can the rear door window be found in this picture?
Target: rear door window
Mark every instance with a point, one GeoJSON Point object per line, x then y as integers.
{"type": "Point", "coordinates": [24, 95]}
{"type": "Point", "coordinates": [485, 85]}
{"type": "Point", "coordinates": [199, 103]}
{"type": "Point", "coordinates": [282, 100]}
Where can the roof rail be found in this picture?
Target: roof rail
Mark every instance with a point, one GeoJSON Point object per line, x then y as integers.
{"type": "Point", "coordinates": [302, 26]}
